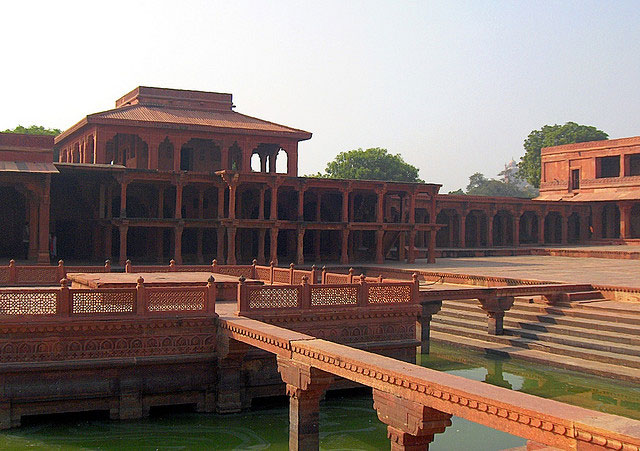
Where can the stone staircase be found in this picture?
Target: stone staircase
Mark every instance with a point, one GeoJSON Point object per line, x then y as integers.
{"type": "Point", "coordinates": [575, 333]}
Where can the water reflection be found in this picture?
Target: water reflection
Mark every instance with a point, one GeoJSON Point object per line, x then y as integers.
{"type": "Point", "coordinates": [571, 387]}
{"type": "Point", "coordinates": [347, 422]}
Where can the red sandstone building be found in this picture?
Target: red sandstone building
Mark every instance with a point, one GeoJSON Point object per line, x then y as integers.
{"type": "Point", "coordinates": [606, 174]}
{"type": "Point", "coordinates": [180, 174]}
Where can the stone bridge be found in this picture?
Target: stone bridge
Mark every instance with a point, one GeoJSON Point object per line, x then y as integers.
{"type": "Point", "coordinates": [128, 348]}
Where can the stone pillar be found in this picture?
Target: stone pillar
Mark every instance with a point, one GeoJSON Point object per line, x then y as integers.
{"type": "Point", "coordinates": [101, 201]}
{"type": "Point", "coordinates": [123, 243]}
{"type": "Point", "coordinates": [541, 228]}
{"type": "Point", "coordinates": [316, 245]}
{"type": "Point", "coordinates": [490, 218]}
{"type": "Point", "coordinates": [402, 246]}
{"type": "Point", "coordinates": [200, 203]}
{"type": "Point", "coordinates": [516, 229]}
{"type": "Point", "coordinates": [379, 246]}
{"type": "Point", "coordinates": [431, 252]}
{"type": "Point", "coordinates": [380, 205]}
{"type": "Point", "coordinates": [221, 190]}
{"type": "Point", "coordinates": [232, 201]}
{"type": "Point", "coordinates": [412, 209]}
{"type": "Point", "coordinates": [300, 247]}
{"type": "Point", "coordinates": [220, 234]}
{"type": "Point", "coordinates": [178, 212]}
{"type": "Point", "coordinates": [161, 202]}
{"type": "Point", "coordinates": [625, 221]}
{"type": "Point", "coordinates": [462, 237]}
{"type": "Point", "coordinates": [564, 228]}
{"type": "Point", "coordinates": [274, 245]}
{"type": "Point", "coordinates": [301, 204]}
{"type": "Point", "coordinates": [305, 386]}
{"type": "Point", "coordinates": [410, 426]}
{"type": "Point", "coordinates": [344, 247]}
{"type": "Point", "coordinates": [199, 257]}
{"type": "Point", "coordinates": [495, 307]}
{"type": "Point", "coordinates": [32, 253]}
{"type": "Point", "coordinates": [261, 203]}
{"type": "Point", "coordinates": [345, 206]}
{"type": "Point", "coordinates": [263, 162]}
{"type": "Point", "coordinates": [318, 206]}
{"type": "Point", "coordinates": [231, 246]}
{"type": "Point", "coordinates": [411, 256]}
{"type": "Point", "coordinates": [43, 222]}
{"type": "Point", "coordinates": [423, 324]}
{"type": "Point", "coordinates": [262, 233]}
{"type": "Point", "coordinates": [177, 248]}
{"type": "Point", "coordinates": [123, 199]}
{"type": "Point", "coordinates": [230, 381]}
{"type": "Point", "coordinates": [273, 213]}
{"type": "Point", "coordinates": [109, 214]}
{"type": "Point", "coordinates": [108, 241]}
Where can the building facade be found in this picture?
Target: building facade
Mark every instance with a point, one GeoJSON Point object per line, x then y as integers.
{"type": "Point", "coordinates": [174, 174]}
{"type": "Point", "coordinates": [604, 174]}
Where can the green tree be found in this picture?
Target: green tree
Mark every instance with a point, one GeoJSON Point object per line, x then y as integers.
{"type": "Point", "coordinates": [479, 185]}
{"type": "Point", "coordinates": [34, 130]}
{"type": "Point", "coordinates": [552, 135]}
{"type": "Point", "coordinates": [371, 164]}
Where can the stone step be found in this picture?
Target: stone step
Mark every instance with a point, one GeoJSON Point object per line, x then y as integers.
{"type": "Point", "coordinates": [553, 348]}
{"type": "Point", "coordinates": [599, 321]}
{"type": "Point", "coordinates": [579, 311]}
{"type": "Point", "coordinates": [546, 336]}
{"type": "Point", "coordinates": [544, 358]}
{"type": "Point", "coordinates": [582, 330]}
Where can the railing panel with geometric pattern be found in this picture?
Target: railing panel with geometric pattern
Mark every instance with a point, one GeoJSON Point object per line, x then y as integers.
{"type": "Point", "coordinates": [263, 273]}
{"type": "Point", "coordinates": [4, 276]}
{"type": "Point", "coordinates": [333, 278]}
{"type": "Point", "coordinates": [327, 295]}
{"type": "Point", "coordinates": [176, 299]}
{"type": "Point", "coordinates": [389, 293]}
{"type": "Point", "coordinates": [37, 274]}
{"type": "Point", "coordinates": [245, 271]}
{"type": "Point", "coordinates": [110, 301]}
{"type": "Point", "coordinates": [281, 275]}
{"type": "Point", "coordinates": [28, 302]}
{"type": "Point", "coordinates": [273, 297]}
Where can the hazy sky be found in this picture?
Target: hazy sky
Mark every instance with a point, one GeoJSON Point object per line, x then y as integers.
{"type": "Point", "coordinates": [454, 87]}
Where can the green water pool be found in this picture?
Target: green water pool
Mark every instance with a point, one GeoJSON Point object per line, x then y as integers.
{"type": "Point", "coordinates": [346, 422]}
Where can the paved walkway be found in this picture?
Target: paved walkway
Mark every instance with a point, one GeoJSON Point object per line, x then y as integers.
{"type": "Point", "coordinates": [599, 271]}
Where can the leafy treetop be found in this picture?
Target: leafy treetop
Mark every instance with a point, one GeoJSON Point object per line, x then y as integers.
{"type": "Point", "coordinates": [34, 130]}
{"type": "Point", "coordinates": [371, 164]}
{"type": "Point", "coordinates": [552, 135]}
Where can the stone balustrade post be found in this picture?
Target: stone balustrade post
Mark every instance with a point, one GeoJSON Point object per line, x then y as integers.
{"type": "Point", "coordinates": [254, 271]}
{"type": "Point", "coordinates": [305, 302]}
{"type": "Point", "coordinates": [127, 266]}
{"type": "Point", "coordinates": [61, 272]}
{"type": "Point", "coordinates": [211, 296]}
{"type": "Point", "coordinates": [314, 275]}
{"type": "Point", "coordinates": [141, 301]}
{"type": "Point", "coordinates": [324, 275]}
{"type": "Point", "coordinates": [363, 300]}
{"type": "Point", "coordinates": [64, 301]}
{"type": "Point", "coordinates": [12, 272]}
{"type": "Point", "coordinates": [242, 297]}
{"type": "Point", "coordinates": [350, 276]}
{"type": "Point", "coordinates": [291, 272]}
{"type": "Point", "coordinates": [107, 265]}
{"type": "Point", "coordinates": [271, 272]}
{"type": "Point", "coordinates": [305, 386]}
{"type": "Point", "coordinates": [410, 426]}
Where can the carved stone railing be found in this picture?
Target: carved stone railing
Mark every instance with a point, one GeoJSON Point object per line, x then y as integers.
{"type": "Point", "coordinates": [63, 302]}
{"type": "Point", "coordinates": [365, 292]}
{"type": "Point", "coordinates": [39, 275]}
{"type": "Point", "coordinates": [416, 402]}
